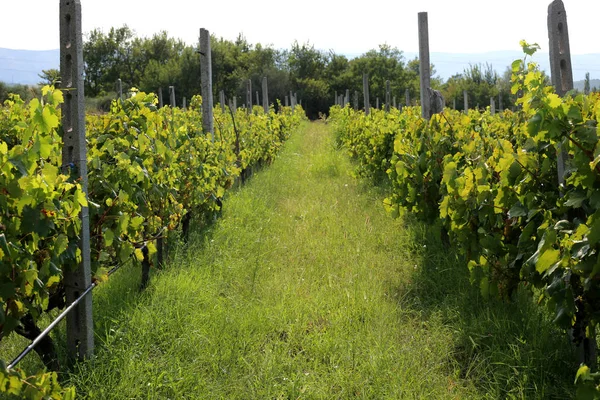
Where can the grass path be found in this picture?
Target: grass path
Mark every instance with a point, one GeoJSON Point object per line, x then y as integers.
{"type": "Point", "coordinates": [305, 288]}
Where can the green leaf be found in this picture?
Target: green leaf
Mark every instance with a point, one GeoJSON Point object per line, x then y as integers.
{"type": "Point", "coordinates": [554, 101]}
{"type": "Point", "coordinates": [109, 236]}
{"type": "Point", "coordinates": [19, 166]}
{"type": "Point", "coordinates": [45, 146]}
{"type": "Point", "coordinates": [518, 210]}
{"type": "Point", "coordinates": [125, 252]}
{"type": "Point", "coordinates": [123, 223]}
{"type": "Point", "coordinates": [529, 49]}
{"type": "Point", "coordinates": [81, 198]}
{"type": "Point", "coordinates": [583, 372]}
{"type": "Point", "coordinates": [593, 235]}
{"type": "Point", "coordinates": [449, 173]}
{"type": "Point", "coordinates": [61, 243]}
{"type": "Point", "coordinates": [575, 199]}
{"type": "Point", "coordinates": [546, 260]}
{"type": "Point", "coordinates": [517, 65]}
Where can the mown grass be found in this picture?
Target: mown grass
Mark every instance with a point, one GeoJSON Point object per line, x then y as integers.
{"type": "Point", "coordinates": [305, 288]}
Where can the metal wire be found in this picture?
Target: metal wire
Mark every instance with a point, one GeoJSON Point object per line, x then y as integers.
{"type": "Point", "coordinates": [60, 317]}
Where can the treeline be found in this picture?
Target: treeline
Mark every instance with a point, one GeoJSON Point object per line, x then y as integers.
{"type": "Point", "coordinates": [159, 61]}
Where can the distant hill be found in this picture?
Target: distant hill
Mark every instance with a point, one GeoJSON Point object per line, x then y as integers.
{"type": "Point", "coordinates": [23, 66]}
{"type": "Point", "coordinates": [594, 83]}
{"type": "Point", "coordinates": [448, 64]}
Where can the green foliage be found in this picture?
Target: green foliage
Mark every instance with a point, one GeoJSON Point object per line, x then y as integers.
{"type": "Point", "coordinates": [492, 181]}
{"type": "Point", "coordinates": [49, 77]}
{"type": "Point", "coordinates": [14, 384]}
{"type": "Point", "coordinates": [146, 168]}
{"type": "Point", "coordinates": [481, 83]}
{"type": "Point", "coordinates": [161, 61]}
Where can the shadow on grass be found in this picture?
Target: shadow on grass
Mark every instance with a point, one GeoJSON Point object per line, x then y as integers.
{"type": "Point", "coordinates": [506, 349]}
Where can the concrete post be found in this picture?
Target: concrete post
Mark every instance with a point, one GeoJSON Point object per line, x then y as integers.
{"type": "Point", "coordinates": [160, 98]}
{"type": "Point", "coordinates": [466, 100]}
{"type": "Point", "coordinates": [388, 95]}
{"type": "Point", "coordinates": [394, 103]}
{"type": "Point", "coordinates": [184, 103]}
{"type": "Point", "coordinates": [493, 106]}
{"type": "Point", "coordinates": [222, 100]}
{"type": "Point", "coordinates": [337, 98]}
{"type": "Point", "coordinates": [560, 51]}
{"type": "Point", "coordinates": [120, 88]}
{"type": "Point", "coordinates": [454, 104]}
{"type": "Point", "coordinates": [172, 96]}
{"type": "Point", "coordinates": [560, 64]}
{"type": "Point", "coordinates": [265, 90]}
{"type": "Point", "coordinates": [80, 326]}
{"type": "Point", "coordinates": [249, 95]}
{"type": "Point", "coordinates": [257, 99]}
{"type": "Point", "coordinates": [208, 123]}
{"type": "Point", "coordinates": [366, 93]}
{"type": "Point", "coordinates": [377, 103]}
{"type": "Point", "coordinates": [293, 101]}
{"type": "Point", "coordinates": [424, 65]}
{"type": "Point", "coordinates": [355, 100]}
{"type": "Point", "coordinates": [347, 98]}
{"type": "Point", "coordinates": [407, 97]}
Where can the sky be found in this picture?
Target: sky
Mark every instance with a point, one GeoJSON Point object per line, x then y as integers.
{"type": "Point", "coordinates": [346, 27]}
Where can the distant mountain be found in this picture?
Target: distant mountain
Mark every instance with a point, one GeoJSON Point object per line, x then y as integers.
{"type": "Point", "coordinates": [594, 83]}
{"type": "Point", "coordinates": [448, 64]}
{"type": "Point", "coordinates": [23, 66]}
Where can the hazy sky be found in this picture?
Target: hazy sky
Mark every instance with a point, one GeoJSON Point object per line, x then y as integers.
{"type": "Point", "coordinates": [347, 27]}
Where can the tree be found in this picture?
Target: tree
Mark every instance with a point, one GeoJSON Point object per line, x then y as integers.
{"type": "Point", "coordinates": [586, 84]}
{"type": "Point", "coordinates": [481, 83]}
{"type": "Point", "coordinates": [49, 77]}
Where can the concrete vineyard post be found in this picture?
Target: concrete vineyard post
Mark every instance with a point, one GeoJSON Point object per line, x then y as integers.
{"type": "Point", "coordinates": [377, 103]}
{"type": "Point", "coordinates": [172, 96]}
{"type": "Point", "coordinates": [160, 98]}
{"type": "Point", "coordinates": [366, 93]}
{"type": "Point", "coordinates": [394, 103]}
{"type": "Point", "coordinates": [387, 96]}
{"type": "Point", "coordinates": [424, 65]}
{"type": "Point", "coordinates": [249, 96]}
{"type": "Point", "coordinates": [120, 88]}
{"type": "Point", "coordinates": [265, 93]}
{"type": "Point", "coordinates": [466, 100]}
{"type": "Point", "coordinates": [208, 123]}
{"type": "Point", "coordinates": [222, 100]}
{"type": "Point", "coordinates": [560, 64]}
{"type": "Point", "coordinates": [493, 106]}
{"type": "Point", "coordinates": [454, 104]}
{"type": "Point", "coordinates": [355, 100]}
{"type": "Point", "coordinates": [347, 97]}
{"type": "Point", "coordinates": [560, 51]}
{"type": "Point", "coordinates": [80, 327]}
{"type": "Point", "coordinates": [257, 99]}
{"type": "Point", "coordinates": [336, 98]}
{"type": "Point", "coordinates": [184, 103]}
